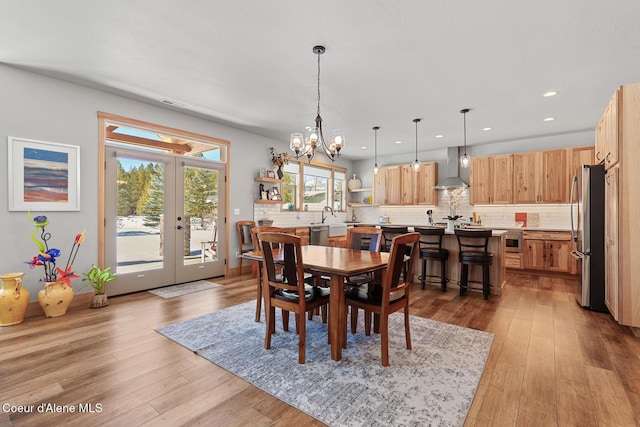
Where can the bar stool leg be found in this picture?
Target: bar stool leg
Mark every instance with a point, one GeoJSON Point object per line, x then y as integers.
{"type": "Point", "coordinates": [464, 275]}
{"type": "Point", "coordinates": [485, 281]}
{"type": "Point", "coordinates": [424, 272]}
{"type": "Point", "coordinates": [443, 278]}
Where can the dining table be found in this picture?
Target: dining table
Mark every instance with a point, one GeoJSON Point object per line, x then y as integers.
{"type": "Point", "coordinates": [336, 263]}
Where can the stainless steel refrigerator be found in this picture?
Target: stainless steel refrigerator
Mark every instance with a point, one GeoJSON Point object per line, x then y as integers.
{"type": "Point", "coordinates": [587, 231]}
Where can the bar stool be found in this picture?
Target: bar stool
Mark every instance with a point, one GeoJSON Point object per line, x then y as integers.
{"type": "Point", "coordinates": [388, 233]}
{"type": "Point", "coordinates": [431, 250]}
{"type": "Point", "coordinates": [473, 246]}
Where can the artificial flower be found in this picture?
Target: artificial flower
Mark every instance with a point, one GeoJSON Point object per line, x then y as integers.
{"type": "Point", "coordinates": [47, 257]}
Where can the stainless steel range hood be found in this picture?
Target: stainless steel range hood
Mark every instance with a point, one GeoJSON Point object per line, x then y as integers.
{"type": "Point", "coordinates": [452, 170]}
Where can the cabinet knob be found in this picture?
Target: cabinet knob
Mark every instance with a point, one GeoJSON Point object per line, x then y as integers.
{"type": "Point", "coordinates": [607, 158]}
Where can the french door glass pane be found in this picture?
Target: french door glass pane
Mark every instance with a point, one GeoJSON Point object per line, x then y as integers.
{"type": "Point", "coordinates": [140, 208]}
{"type": "Point", "coordinates": [200, 215]}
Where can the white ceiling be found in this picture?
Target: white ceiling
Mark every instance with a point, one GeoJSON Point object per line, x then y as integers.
{"type": "Point", "coordinates": [249, 64]}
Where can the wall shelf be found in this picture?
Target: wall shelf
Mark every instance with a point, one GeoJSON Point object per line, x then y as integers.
{"type": "Point", "coordinates": [265, 179]}
{"type": "Point", "coordinates": [360, 190]}
{"type": "Point", "coordinates": [272, 202]}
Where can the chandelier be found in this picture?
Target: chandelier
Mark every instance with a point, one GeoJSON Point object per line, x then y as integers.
{"type": "Point", "coordinates": [306, 145]}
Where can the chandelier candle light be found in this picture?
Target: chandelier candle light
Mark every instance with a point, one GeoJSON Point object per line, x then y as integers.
{"type": "Point", "coordinates": [307, 146]}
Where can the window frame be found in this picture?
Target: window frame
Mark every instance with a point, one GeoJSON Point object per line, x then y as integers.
{"type": "Point", "coordinates": [299, 185]}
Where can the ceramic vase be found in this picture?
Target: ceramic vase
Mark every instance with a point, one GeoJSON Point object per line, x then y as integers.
{"type": "Point", "coordinates": [55, 298]}
{"type": "Point", "coordinates": [14, 299]}
{"type": "Point", "coordinates": [354, 183]}
{"type": "Point", "coordinates": [279, 172]}
{"type": "Point", "coordinates": [451, 225]}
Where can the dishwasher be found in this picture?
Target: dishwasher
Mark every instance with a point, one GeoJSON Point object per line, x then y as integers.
{"type": "Point", "coordinates": [319, 235]}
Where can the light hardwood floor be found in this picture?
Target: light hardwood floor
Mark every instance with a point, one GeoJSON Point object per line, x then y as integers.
{"type": "Point", "coordinates": [551, 363]}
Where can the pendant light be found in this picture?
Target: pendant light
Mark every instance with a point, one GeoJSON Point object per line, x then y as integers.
{"type": "Point", "coordinates": [416, 164]}
{"type": "Point", "coordinates": [375, 148]}
{"type": "Point", "coordinates": [465, 160]}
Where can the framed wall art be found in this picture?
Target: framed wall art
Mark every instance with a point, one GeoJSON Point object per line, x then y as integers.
{"type": "Point", "coordinates": [43, 176]}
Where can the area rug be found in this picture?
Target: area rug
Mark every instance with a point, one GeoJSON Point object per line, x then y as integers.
{"type": "Point", "coordinates": [184, 288]}
{"type": "Point", "coordinates": [431, 385]}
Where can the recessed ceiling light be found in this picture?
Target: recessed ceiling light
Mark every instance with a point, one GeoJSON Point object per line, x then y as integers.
{"type": "Point", "coordinates": [550, 93]}
{"type": "Point", "coordinates": [398, 142]}
{"type": "Point", "coordinates": [439, 136]}
{"type": "Point", "coordinates": [364, 147]}
{"type": "Point", "coordinates": [487, 128]}
{"type": "Point", "coordinates": [549, 119]}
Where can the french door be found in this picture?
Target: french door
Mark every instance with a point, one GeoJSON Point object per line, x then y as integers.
{"type": "Point", "coordinates": [161, 218]}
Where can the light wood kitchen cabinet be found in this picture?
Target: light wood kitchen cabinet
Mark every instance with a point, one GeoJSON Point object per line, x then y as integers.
{"type": "Point", "coordinates": [408, 185]}
{"type": "Point", "coordinates": [607, 133]}
{"type": "Point", "coordinates": [576, 157]}
{"type": "Point", "coordinates": [402, 185]}
{"type": "Point", "coordinates": [491, 180]}
{"type": "Point", "coordinates": [548, 250]}
{"type": "Point", "coordinates": [540, 177]}
{"type": "Point", "coordinates": [611, 241]}
{"type": "Point", "coordinates": [622, 210]}
{"type": "Point", "coordinates": [386, 190]}
{"type": "Point", "coordinates": [425, 181]}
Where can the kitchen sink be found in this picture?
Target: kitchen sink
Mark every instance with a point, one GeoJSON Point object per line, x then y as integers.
{"type": "Point", "coordinates": [337, 229]}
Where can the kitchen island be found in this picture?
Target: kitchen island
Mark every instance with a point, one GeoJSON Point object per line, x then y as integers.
{"type": "Point", "coordinates": [450, 242]}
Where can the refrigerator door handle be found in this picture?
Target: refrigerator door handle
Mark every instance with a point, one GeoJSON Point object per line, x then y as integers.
{"type": "Point", "coordinates": [574, 185]}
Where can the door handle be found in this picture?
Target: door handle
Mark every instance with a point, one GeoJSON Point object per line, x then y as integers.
{"type": "Point", "coordinates": [179, 227]}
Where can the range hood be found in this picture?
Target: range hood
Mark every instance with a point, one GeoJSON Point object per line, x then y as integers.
{"type": "Point", "coordinates": [453, 179]}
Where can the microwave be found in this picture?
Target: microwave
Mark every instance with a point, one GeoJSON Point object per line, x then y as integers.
{"type": "Point", "coordinates": [513, 241]}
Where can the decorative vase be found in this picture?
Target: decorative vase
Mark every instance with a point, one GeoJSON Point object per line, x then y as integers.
{"type": "Point", "coordinates": [279, 172]}
{"type": "Point", "coordinates": [451, 224]}
{"type": "Point", "coordinates": [55, 298]}
{"type": "Point", "coordinates": [354, 183]}
{"type": "Point", "coordinates": [99, 300]}
{"type": "Point", "coordinates": [14, 299]}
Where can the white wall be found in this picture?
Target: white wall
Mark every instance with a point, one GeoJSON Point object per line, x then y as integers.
{"type": "Point", "coordinates": [37, 107]}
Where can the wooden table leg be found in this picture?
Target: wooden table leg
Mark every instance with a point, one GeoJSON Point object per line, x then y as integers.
{"type": "Point", "coordinates": [337, 318]}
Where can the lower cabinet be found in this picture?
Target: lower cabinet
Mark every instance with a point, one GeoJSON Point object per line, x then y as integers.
{"type": "Point", "coordinates": [513, 260]}
{"type": "Point", "coordinates": [337, 241]}
{"type": "Point", "coordinates": [302, 232]}
{"type": "Point", "coordinates": [548, 250]}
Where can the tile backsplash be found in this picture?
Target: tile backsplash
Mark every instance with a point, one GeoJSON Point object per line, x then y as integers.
{"type": "Point", "coordinates": [548, 216]}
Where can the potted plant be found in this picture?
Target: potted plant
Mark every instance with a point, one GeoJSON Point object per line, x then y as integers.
{"type": "Point", "coordinates": [97, 278]}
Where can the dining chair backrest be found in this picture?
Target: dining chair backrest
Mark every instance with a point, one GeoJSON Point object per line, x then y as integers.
{"type": "Point", "coordinates": [244, 234]}
{"type": "Point", "coordinates": [430, 237]}
{"type": "Point", "coordinates": [262, 229]}
{"type": "Point", "coordinates": [364, 238]}
{"type": "Point", "coordinates": [400, 246]}
{"type": "Point", "coordinates": [293, 274]}
{"type": "Point", "coordinates": [476, 240]}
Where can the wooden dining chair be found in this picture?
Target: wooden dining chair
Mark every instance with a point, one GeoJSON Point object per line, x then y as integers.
{"type": "Point", "coordinates": [391, 294]}
{"type": "Point", "coordinates": [244, 240]}
{"type": "Point", "coordinates": [255, 240]}
{"type": "Point", "coordinates": [285, 294]}
{"type": "Point", "coordinates": [368, 239]}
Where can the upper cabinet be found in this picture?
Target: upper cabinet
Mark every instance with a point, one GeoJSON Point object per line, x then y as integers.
{"type": "Point", "coordinates": [426, 179]}
{"type": "Point", "coordinates": [402, 185]}
{"type": "Point", "coordinates": [576, 157]}
{"type": "Point", "coordinates": [540, 177]}
{"type": "Point", "coordinates": [607, 137]}
{"type": "Point", "coordinates": [490, 179]}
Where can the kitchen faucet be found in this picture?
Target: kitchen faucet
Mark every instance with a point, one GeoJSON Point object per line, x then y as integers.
{"type": "Point", "coordinates": [326, 208]}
